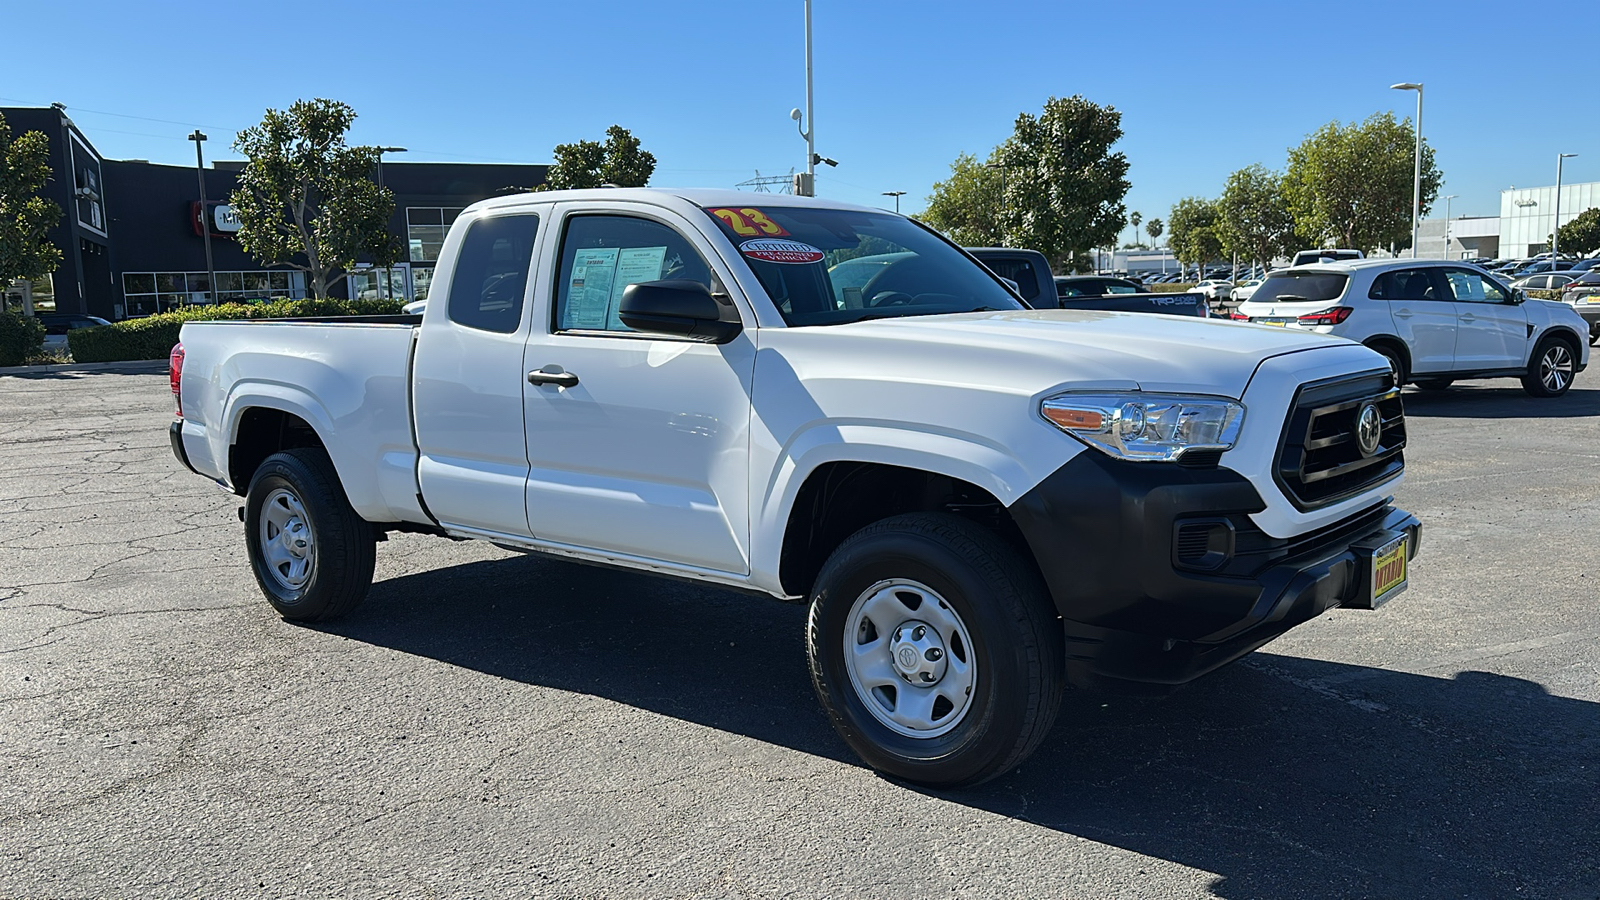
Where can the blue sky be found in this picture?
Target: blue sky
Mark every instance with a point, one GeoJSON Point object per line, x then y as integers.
{"type": "Point", "coordinates": [901, 88]}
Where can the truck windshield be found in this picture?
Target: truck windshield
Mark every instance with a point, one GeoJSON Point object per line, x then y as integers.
{"type": "Point", "coordinates": [1300, 287]}
{"type": "Point", "coordinates": [834, 266]}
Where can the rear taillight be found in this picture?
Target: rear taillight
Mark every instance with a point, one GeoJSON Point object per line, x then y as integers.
{"type": "Point", "coordinates": [1238, 317]}
{"type": "Point", "coordinates": [175, 372]}
{"type": "Point", "coordinates": [1327, 317]}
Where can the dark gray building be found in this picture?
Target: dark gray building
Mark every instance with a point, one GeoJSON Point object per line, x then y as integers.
{"type": "Point", "coordinates": [131, 239]}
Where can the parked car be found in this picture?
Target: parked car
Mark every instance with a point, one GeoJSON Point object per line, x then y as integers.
{"type": "Point", "coordinates": [1307, 257]}
{"type": "Point", "coordinates": [1215, 289]}
{"type": "Point", "coordinates": [1559, 265]}
{"type": "Point", "coordinates": [56, 326]}
{"type": "Point", "coordinates": [1244, 290]}
{"type": "Point", "coordinates": [665, 381]}
{"type": "Point", "coordinates": [1544, 282]}
{"type": "Point", "coordinates": [1583, 295]}
{"type": "Point", "coordinates": [1030, 272]}
{"type": "Point", "coordinates": [1585, 265]}
{"type": "Point", "coordinates": [1436, 321]}
{"type": "Point", "coordinates": [1094, 286]}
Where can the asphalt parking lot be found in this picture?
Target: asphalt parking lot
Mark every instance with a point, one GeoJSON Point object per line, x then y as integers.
{"type": "Point", "coordinates": [494, 725]}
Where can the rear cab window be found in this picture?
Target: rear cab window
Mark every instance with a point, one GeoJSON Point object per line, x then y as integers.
{"type": "Point", "coordinates": [490, 277]}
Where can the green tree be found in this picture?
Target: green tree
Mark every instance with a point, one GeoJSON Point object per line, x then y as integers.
{"type": "Point", "coordinates": [966, 206]}
{"type": "Point", "coordinates": [25, 217]}
{"type": "Point", "coordinates": [1582, 234]}
{"type": "Point", "coordinates": [1053, 186]}
{"type": "Point", "coordinates": [591, 164]}
{"type": "Point", "coordinates": [306, 199]}
{"type": "Point", "coordinates": [1253, 218]}
{"type": "Point", "coordinates": [1193, 225]}
{"type": "Point", "coordinates": [1063, 185]}
{"type": "Point", "coordinates": [1351, 184]}
{"type": "Point", "coordinates": [1155, 228]}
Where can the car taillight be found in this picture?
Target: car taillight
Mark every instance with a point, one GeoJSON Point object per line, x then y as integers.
{"type": "Point", "coordinates": [175, 371]}
{"type": "Point", "coordinates": [1327, 317]}
{"type": "Point", "coordinates": [1238, 317]}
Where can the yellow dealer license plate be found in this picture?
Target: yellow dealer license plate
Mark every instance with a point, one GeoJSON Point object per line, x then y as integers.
{"type": "Point", "coordinates": [1388, 570]}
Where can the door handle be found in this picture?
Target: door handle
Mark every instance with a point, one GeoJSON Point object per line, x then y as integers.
{"type": "Point", "coordinates": [1468, 317]}
{"type": "Point", "coordinates": [1403, 313]}
{"type": "Point", "coordinates": [559, 379]}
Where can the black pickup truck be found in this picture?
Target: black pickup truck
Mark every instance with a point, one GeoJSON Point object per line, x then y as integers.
{"type": "Point", "coordinates": [1030, 271]}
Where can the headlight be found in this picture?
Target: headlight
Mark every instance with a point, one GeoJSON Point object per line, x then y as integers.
{"type": "Point", "coordinates": [1146, 427]}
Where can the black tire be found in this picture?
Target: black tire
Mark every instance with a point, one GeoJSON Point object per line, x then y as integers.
{"type": "Point", "coordinates": [1434, 384]}
{"type": "Point", "coordinates": [1552, 367]}
{"type": "Point", "coordinates": [1016, 647]}
{"type": "Point", "coordinates": [330, 573]}
{"type": "Point", "coordinates": [1397, 363]}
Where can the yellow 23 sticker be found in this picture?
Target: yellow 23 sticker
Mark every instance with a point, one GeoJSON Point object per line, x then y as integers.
{"type": "Point", "coordinates": [748, 222]}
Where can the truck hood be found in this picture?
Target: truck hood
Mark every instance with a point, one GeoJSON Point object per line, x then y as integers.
{"type": "Point", "coordinates": [1033, 350]}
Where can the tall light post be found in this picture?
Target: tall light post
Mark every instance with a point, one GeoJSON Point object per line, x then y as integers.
{"type": "Point", "coordinates": [896, 195]}
{"type": "Point", "coordinates": [383, 284]}
{"type": "Point", "coordinates": [1555, 232]}
{"type": "Point", "coordinates": [205, 214]}
{"type": "Point", "coordinates": [1447, 200]}
{"type": "Point", "coordinates": [1002, 167]}
{"type": "Point", "coordinates": [1416, 178]}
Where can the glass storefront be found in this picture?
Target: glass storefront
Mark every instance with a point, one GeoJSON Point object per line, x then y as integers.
{"type": "Point", "coordinates": [147, 293]}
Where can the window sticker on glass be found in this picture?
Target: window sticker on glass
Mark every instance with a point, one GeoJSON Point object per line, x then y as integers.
{"type": "Point", "coordinates": [792, 252]}
{"type": "Point", "coordinates": [749, 222]}
{"type": "Point", "coordinates": [589, 292]}
{"type": "Point", "coordinates": [635, 265]}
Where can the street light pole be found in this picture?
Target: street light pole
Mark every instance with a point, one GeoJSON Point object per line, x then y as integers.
{"type": "Point", "coordinates": [1416, 178]}
{"type": "Point", "coordinates": [205, 215]}
{"type": "Point", "coordinates": [1447, 200]}
{"type": "Point", "coordinates": [383, 285]}
{"type": "Point", "coordinates": [1003, 167]}
{"type": "Point", "coordinates": [896, 195]}
{"type": "Point", "coordinates": [811, 121]}
{"type": "Point", "coordinates": [1555, 232]}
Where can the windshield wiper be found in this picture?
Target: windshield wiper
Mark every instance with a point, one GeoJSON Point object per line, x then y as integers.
{"type": "Point", "coordinates": [1287, 297]}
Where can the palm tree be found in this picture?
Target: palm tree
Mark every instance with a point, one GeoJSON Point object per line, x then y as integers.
{"type": "Point", "coordinates": [1154, 228]}
{"type": "Point", "coordinates": [1135, 219]}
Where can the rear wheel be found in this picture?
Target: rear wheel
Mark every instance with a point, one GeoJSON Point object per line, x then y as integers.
{"type": "Point", "coordinates": [1434, 384]}
{"type": "Point", "coordinates": [1551, 371]}
{"type": "Point", "coordinates": [312, 555]}
{"type": "Point", "coordinates": [935, 650]}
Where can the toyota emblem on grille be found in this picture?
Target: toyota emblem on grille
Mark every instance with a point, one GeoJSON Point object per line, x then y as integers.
{"type": "Point", "coordinates": [1369, 429]}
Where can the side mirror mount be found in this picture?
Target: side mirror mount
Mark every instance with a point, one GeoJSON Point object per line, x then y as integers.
{"type": "Point", "coordinates": [682, 308]}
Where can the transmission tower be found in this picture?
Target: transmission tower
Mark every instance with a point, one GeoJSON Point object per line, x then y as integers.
{"type": "Point", "coordinates": [763, 184]}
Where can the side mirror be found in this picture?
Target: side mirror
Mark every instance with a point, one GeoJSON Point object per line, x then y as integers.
{"type": "Point", "coordinates": [1518, 295]}
{"type": "Point", "coordinates": [683, 308]}
{"type": "Point", "coordinates": [1015, 288]}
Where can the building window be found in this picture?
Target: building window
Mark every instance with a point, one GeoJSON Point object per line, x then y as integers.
{"type": "Point", "coordinates": [148, 293]}
{"type": "Point", "coordinates": [426, 227]}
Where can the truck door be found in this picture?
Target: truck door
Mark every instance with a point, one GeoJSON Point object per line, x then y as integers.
{"type": "Point", "coordinates": [467, 377]}
{"type": "Point", "coordinates": [638, 444]}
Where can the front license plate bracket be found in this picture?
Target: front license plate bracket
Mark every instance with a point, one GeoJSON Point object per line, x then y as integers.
{"type": "Point", "coordinates": [1382, 563]}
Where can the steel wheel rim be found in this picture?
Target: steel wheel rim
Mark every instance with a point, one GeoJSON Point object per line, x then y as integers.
{"type": "Point", "coordinates": [896, 690]}
{"type": "Point", "coordinates": [288, 543]}
{"type": "Point", "coordinates": [1555, 369]}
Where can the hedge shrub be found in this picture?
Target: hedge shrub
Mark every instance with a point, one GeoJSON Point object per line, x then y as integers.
{"type": "Point", "coordinates": [152, 337]}
{"type": "Point", "coordinates": [20, 338]}
{"type": "Point", "coordinates": [1545, 295]}
{"type": "Point", "coordinates": [1176, 287]}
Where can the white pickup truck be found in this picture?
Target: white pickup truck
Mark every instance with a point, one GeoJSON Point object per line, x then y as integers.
{"type": "Point", "coordinates": [980, 502]}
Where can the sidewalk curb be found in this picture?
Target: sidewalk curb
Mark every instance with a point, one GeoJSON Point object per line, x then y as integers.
{"type": "Point", "coordinates": [132, 366]}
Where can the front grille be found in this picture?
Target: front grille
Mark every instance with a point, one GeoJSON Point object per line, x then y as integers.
{"type": "Point", "coordinates": [1320, 460]}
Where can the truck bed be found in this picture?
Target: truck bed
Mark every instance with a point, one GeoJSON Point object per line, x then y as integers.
{"type": "Point", "coordinates": [347, 376]}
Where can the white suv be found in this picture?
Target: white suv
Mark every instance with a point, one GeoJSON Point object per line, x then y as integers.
{"type": "Point", "coordinates": [1435, 320]}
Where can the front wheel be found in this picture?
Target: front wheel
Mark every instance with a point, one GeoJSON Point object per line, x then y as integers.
{"type": "Point", "coordinates": [1551, 371]}
{"type": "Point", "coordinates": [935, 650]}
{"type": "Point", "coordinates": [1434, 384]}
{"type": "Point", "coordinates": [311, 553]}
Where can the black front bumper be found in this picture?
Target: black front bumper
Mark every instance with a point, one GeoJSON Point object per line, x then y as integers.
{"type": "Point", "coordinates": [1140, 603]}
